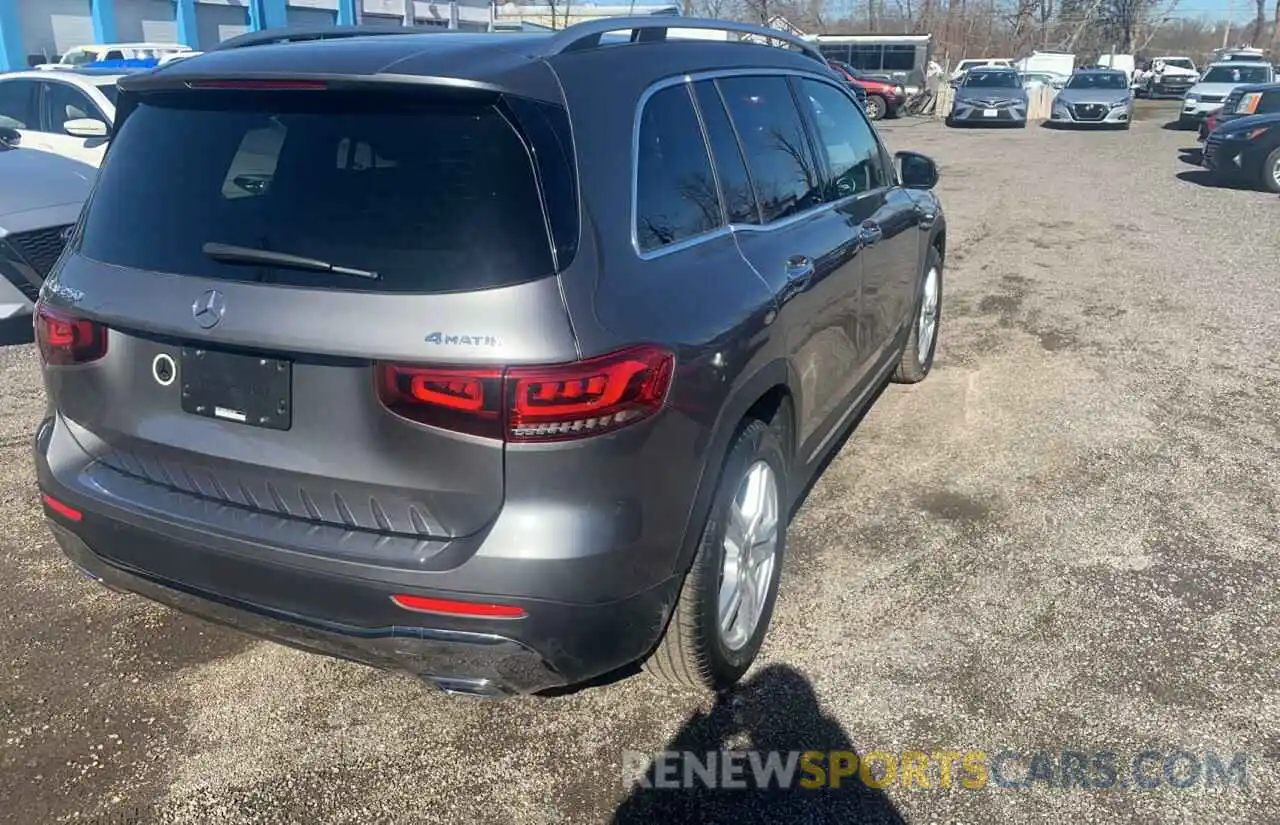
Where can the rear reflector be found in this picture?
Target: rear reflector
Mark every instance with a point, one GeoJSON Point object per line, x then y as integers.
{"type": "Point", "coordinates": [449, 607]}
{"type": "Point", "coordinates": [64, 339]}
{"type": "Point", "coordinates": [258, 85]}
{"type": "Point", "coordinates": [64, 510]}
{"type": "Point", "coordinates": [531, 404]}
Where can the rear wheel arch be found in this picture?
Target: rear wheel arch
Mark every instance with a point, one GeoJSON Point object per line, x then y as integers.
{"type": "Point", "coordinates": [766, 396]}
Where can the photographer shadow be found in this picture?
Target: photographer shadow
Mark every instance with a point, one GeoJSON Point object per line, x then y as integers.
{"type": "Point", "coordinates": [777, 711]}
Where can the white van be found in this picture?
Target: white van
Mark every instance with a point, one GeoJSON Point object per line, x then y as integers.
{"type": "Point", "coordinates": [93, 53]}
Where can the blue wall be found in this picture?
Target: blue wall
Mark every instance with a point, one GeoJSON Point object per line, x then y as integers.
{"type": "Point", "coordinates": [11, 54]}
{"type": "Point", "coordinates": [263, 14]}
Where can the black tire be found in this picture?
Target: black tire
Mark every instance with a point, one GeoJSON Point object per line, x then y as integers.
{"type": "Point", "coordinates": [692, 652]}
{"type": "Point", "coordinates": [877, 107]}
{"type": "Point", "coordinates": [950, 122]}
{"type": "Point", "coordinates": [912, 369]}
{"type": "Point", "coordinates": [1271, 171]}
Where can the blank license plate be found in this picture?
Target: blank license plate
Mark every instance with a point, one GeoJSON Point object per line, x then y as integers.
{"type": "Point", "coordinates": [990, 112]}
{"type": "Point", "coordinates": [241, 388]}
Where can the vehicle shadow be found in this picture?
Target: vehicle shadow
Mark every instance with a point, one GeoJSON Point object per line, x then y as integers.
{"type": "Point", "coordinates": [1209, 180]}
{"type": "Point", "coordinates": [1191, 155]}
{"type": "Point", "coordinates": [774, 711]}
{"type": "Point", "coordinates": [1175, 126]}
{"type": "Point", "coordinates": [15, 331]}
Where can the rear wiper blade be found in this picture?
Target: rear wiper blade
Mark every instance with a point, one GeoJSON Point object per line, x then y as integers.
{"type": "Point", "coordinates": [248, 256]}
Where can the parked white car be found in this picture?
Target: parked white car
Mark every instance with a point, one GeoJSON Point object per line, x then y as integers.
{"type": "Point", "coordinates": [69, 113]}
{"type": "Point", "coordinates": [1207, 96]}
{"type": "Point", "coordinates": [974, 62]}
{"type": "Point", "coordinates": [80, 55]}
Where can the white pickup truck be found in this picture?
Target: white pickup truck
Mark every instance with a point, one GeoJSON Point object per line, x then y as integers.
{"type": "Point", "coordinates": [1165, 76]}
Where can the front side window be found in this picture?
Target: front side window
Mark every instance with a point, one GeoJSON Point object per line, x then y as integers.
{"type": "Point", "coordinates": [676, 195]}
{"type": "Point", "coordinates": [844, 136]}
{"type": "Point", "coordinates": [62, 102]}
{"type": "Point", "coordinates": [773, 137]}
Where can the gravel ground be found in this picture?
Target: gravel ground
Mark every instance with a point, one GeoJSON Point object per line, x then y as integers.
{"type": "Point", "coordinates": [1064, 540]}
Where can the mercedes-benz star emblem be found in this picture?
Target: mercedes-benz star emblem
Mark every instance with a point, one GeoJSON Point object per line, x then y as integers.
{"type": "Point", "coordinates": [208, 308]}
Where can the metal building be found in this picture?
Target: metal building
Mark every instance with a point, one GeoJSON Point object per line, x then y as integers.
{"type": "Point", "coordinates": [38, 31]}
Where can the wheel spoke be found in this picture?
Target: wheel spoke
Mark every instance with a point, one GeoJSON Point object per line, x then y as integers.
{"type": "Point", "coordinates": [750, 545]}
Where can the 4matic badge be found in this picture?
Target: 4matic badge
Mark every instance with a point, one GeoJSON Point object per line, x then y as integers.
{"type": "Point", "coordinates": [464, 340]}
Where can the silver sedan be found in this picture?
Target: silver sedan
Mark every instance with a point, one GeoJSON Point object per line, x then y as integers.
{"type": "Point", "coordinates": [1095, 97]}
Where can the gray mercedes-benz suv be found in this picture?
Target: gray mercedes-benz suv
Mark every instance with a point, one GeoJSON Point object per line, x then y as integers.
{"type": "Point", "coordinates": [498, 359]}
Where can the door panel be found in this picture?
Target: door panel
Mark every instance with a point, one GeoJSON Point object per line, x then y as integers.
{"type": "Point", "coordinates": [890, 269]}
{"type": "Point", "coordinates": [805, 253]}
{"type": "Point", "coordinates": [59, 103]}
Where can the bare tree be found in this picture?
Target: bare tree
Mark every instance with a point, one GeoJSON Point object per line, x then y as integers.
{"type": "Point", "coordinates": [1259, 22]}
{"type": "Point", "coordinates": [1275, 32]}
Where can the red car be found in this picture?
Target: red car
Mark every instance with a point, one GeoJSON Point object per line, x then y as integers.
{"type": "Point", "coordinates": [884, 98]}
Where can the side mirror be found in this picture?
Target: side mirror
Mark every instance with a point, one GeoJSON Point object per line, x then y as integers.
{"type": "Point", "coordinates": [9, 138]}
{"type": "Point", "coordinates": [86, 127]}
{"type": "Point", "coordinates": [916, 171]}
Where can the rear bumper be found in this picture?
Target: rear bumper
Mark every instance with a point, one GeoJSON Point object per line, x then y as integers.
{"type": "Point", "coordinates": [344, 608]}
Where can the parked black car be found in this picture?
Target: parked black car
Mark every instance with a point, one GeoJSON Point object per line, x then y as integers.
{"type": "Point", "coordinates": [408, 365]}
{"type": "Point", "coordinates": [1258, 99]}
{"type": "Point", "coordinates": [1248, 149]}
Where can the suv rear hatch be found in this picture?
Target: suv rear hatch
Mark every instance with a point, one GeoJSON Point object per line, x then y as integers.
{"type": "Point", "coordinates": [261, 252]}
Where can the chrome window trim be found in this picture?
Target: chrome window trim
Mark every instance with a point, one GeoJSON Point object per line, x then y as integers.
{"type": "Point", "coordinates": [689, 79]}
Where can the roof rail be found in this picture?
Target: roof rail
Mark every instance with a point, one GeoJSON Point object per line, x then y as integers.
{"type": "Point", "coordinates": [587, 35]}
{"type": "Point", "coordinates": [298, 34]}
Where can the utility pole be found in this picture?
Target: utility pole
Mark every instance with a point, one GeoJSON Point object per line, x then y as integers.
{"type": "Point", "coordinates": [1231, 19]}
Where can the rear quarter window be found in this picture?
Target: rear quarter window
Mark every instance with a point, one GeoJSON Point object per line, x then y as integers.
{"type": "Point", "coordinates": [434, 197]}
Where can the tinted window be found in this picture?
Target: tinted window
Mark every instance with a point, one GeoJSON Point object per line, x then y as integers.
{"type": "Point", "coordinates": [735, 183]}
{"type": "Point", "coordinates": [1269, 103]}
{"type": "Point", "coordinates": [768, 124]}
{"type": "Point", "coordinates": [900, 58]}
{"type": "Point", "coordinates": [676, 194]}
{"type": "Point", "coordinates": [851, 149]}
{"type": "Point", "coordinates": [434, 197]}
{"type": "Point", "coordinates": [62, 102]}
{"type": "Point", "coordinates": [110, 91]}
{"type": "Point", "coordinates": [17, 104]}
{"type": "Point", "coordinates": [867, 56]}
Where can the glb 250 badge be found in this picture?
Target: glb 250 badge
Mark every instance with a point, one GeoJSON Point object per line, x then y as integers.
{"type": "Point", "coordinates": [464, 340]}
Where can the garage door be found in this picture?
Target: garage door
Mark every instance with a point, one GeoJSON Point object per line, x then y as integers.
{"type": "Point", "coordinates": [218, 23]}
{"type": "Point", "coordinates": [146, 21]}
{"type": "Point", "coordinates": [381, 20]}
{"type": "Point", "coordinates": [311, 17]}
{"type": "Point", "coordinates": [50, 27]}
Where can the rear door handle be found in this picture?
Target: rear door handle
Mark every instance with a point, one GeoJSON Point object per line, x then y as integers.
{"type": "Point", "coordinates": [871, 233]}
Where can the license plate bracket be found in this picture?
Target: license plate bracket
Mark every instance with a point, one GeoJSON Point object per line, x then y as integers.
{"type": "Point", "coordinates": [246, 389]}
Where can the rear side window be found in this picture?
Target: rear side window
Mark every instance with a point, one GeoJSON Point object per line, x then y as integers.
{"type": "Point", "coordinates": [18, 104]}
{"type": "Point", "coordinates": [735, 183]}
{"type": "Point", "coordinates": [676, 195]}
{"type": "Point", "coordinates": [782, 166]}
{"type": "Point", "coordinates": [433, 197]}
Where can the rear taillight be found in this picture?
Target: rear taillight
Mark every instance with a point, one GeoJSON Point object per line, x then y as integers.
{"type": "Point", "coordinates": [526, 404]}
{"type": "Point", "coordinates": [468, 401]}
{"type": "Point", "coordinates": [64, 339]}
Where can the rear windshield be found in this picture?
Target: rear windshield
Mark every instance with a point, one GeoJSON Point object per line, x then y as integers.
{"type": "Point", "coordinates": [433, 197]}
